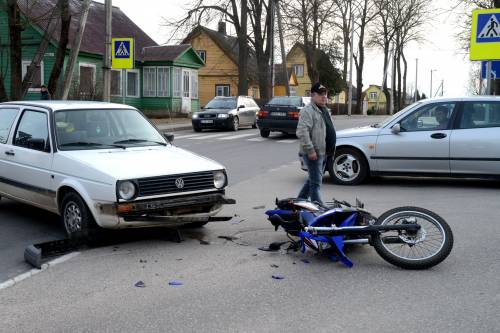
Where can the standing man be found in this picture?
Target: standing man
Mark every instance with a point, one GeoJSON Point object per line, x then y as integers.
{"type": "Point", "coordinates": [317, 141]}
{"type": "Point", "coordinates": [44, 93]}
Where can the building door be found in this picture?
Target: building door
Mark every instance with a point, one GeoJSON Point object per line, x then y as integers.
{"type": "Point", "coordinates": [186, 89]}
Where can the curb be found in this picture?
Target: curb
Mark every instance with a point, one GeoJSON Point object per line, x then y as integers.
{"type": "Point", "coordinates": [173, 128]}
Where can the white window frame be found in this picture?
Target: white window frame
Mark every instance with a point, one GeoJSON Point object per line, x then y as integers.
{"type": "Point", "coordinates": [223, 86]}
{"type": "Point", "coordinates": [295, 66]}
{"type": "Point", "coordinates": [87, 64]}
{"type": "Point", "coordinates": [186, 93]}
{"type": "Point", "coordinates": [373, 95]}
{"type": "Point", "coordinates": [121, 82]}
{"type": "Point", "coordinates": [165, 93]}
{"type": "Point", "coordinates": [153, 91]}
{"type": "Point", "coordinates": [137, 83]}
{"type": "Point", "coordinates": [177, 82]}
{"type": "Point", "coordinates": [193, 84]}
{"type": "Point", "coordinates": [24, 70]}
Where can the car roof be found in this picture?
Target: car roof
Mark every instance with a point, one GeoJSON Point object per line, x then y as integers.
{"type": "Point", "coordinates": [461, 98]}
{"type": "Point", "coordinates": [70, 105]}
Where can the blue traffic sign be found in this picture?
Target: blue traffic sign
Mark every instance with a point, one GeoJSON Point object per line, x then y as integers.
{"type": "Point", "coordinates": [488, 28]}
{"type": "Point", "coordinates": [495, 69]}
{"type": "Point", "coordinates": [122, 49]}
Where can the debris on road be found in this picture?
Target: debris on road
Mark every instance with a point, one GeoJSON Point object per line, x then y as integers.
{"type": "Point", "coordinates": [175, 283]}
{"type": "Point", "coordinates": [305, 261]}
{"type": "Point", "coordinates": [140, 284]}
{"type": "Point", "coordinates": [274, 266]}
{"type": "Point", "coordinates": [204, 242]}
{"type": "Point", "coordinates": [278, 277]}
{"type": "Point", "coordinates": [259, 207]}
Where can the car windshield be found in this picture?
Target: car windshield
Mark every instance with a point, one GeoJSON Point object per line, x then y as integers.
{"type": "Point", "coordinates": [222, 103]}
{"type": "Point", "coordinates": [397, 114]}
{"type": "Point", "coordinates": [104, 128]}
{"type": "Point", "coordinates": [283, 100]}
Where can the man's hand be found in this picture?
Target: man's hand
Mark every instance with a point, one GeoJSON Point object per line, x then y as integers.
{"type": "Point", "coordinates": [312, 156]}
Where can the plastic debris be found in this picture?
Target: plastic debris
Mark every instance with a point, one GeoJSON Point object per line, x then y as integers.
{"type": "Point", "coordinates": [229, 238]}
{"type": "Point", "coordinates": [204, 242]}
{"type": "Point", "coordinates": [278, 277]}
{"type": "Point", "coordinates": [259, 207]}
{"type": "Point", "coordinates": [305, 261]}
{"type": "Point", "coordinates": [140, 284]}
{"type": "Point", "coordinates": [274, 266]}
{"type": "Point", "coordinates": [175, 283]}
{"type": "Point", "coordinates": [178, 259]}
{"type": "Point", "coordinates": [238, 221]}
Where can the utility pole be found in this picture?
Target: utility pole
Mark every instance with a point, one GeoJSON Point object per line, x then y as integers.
{"type": "Point", "coordinates": [282, 45]}
{"type": "Point", "coordinates": [442, 88]}
{"type": "Point", "coordinates": [75, 48]}
{"type": "Point", "coordinates": [107, 52]}
{"type": "Point", "coordinates": [430, 95]}
{"type": "Point", "coordinates": [349, 107]}
{"type": "Point", "coordinates": [271, 32]}
{"type": "Point", "coordinates": [416, 79]}
{"type": "Point", "coordinates": [488, 78]}
{"type": "Point", "coordinates": [393, 79]}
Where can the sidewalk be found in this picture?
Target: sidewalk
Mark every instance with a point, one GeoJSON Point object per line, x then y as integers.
{"type": "Point", "coordinates": [172, 125]}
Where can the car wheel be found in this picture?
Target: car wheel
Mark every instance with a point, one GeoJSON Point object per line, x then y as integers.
{"type": "Point", "coordinates": [254, 125]}
{"type": "Point", "coordinates": [265, 133]}
{"type": "Point", "coordinates": [235, 124]}
{"type": "Point", "coordinates": [77, 219]}
{"type": "Point", "coordinates": [348, 167]}
{"type": "Point", "coordinates": [196, 129]}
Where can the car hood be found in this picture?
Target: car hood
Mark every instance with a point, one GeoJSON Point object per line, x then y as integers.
{"type": "Point", "coordinates": [358, 131]}
{"type": "Point", "coordinates": [215, 111]}
{"type": "Point", "coordinates": [142, 162]}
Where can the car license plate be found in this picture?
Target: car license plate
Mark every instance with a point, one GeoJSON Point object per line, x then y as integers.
{"type": "Point", "coordinates": [278, 114]}
{"type": "Point", "coordinates": [207, 121]}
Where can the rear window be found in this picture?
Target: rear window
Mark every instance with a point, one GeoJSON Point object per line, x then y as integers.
{"type": "Point", "coordinates": [283, 100]}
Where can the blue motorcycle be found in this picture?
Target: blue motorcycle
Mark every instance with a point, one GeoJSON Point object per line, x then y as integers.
{"type": "Point", "coordinates": [407, 237]}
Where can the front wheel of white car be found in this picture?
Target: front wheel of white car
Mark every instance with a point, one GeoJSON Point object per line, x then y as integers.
{"type": "Point", "coordinates": [77, 218]}
{"type": "Point", "coordinates": [348, 167]}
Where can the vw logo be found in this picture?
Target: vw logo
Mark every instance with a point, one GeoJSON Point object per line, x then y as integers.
{"type": "Point", "coordinates": [179, 182]}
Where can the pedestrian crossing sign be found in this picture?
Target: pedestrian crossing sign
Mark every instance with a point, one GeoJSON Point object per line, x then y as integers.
{"type": "Point", "coordinates": [485, 36]}
{"type": "Point", "coordinates": [122, 53]}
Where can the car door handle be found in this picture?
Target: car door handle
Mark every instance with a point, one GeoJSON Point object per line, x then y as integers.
{"type": "Point", "coordinates": [438, 135]}
{"type": "Point", "coordinates": [10, 153]}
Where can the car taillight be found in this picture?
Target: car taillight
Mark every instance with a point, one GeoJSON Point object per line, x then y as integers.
{"type": "Point", "coordinates": [262, 114]}
{"type": "Point", "coordinates": [294, 115]}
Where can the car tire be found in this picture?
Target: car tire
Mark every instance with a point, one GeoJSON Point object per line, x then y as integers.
{"type": "Point", "coordinates": [77, 218]}
{"type": "Point", "coordinates": [254, 125]}
{"type": "Point", "coordinates": [196, 129]}
{"type": "Point", "coordinates": [348, 167]}
{"type": "Point", "coordinates": [265, 133]}
{"type": "Point", "coordinates": [235, 124]}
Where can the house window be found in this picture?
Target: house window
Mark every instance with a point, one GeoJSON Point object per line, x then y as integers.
{"type": "Point", "coordinates": [185, 83]}
{"type": "Point", "coordinates": [222, 90]}
{"type": "Point", "coordinates": [116, 82]}
{"type": "Point", "coordinates": [373, 95]}
{"type": "Point", "coordinates": [37, 80]}
{"type": "Point", "coordinates": [132, 83]}
{"type": "Point", "coordinates": [203, 55]}
{"type": "Point", "coordinates": [255, 92]}
{"type": "Point", "coordinates": [308, 93]}
{"type": "Point", "coordinates": [293, 91]}
{"type": "Point", "coordinates": [87, 80]}
{"type": "Point", "coordinates": [194, 84]}
{"type": "Point", "coordinates": [149, 81]}
{"type": "Point", "coordinates": [298, 70]}
{"type": "Point", "coordinates": [177, 82]}
{"type": "Point", "coordinates": [163, 85]}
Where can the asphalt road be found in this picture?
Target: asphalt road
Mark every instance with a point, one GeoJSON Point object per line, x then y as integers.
{"type": "Point", "coordinates": [227, 285]}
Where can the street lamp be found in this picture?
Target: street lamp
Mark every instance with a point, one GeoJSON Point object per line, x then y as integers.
{"type": "Point", "coordinates": [432, 70]}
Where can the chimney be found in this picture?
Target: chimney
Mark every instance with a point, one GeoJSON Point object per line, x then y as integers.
{"type": "Point", "coordinates": [222, 27]}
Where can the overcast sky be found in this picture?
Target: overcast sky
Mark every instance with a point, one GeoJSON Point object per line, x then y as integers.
{"type": "Point", "coordinates": [440, 51]}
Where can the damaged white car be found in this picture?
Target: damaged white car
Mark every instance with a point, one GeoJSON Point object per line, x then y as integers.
{"type": "Point", "coordinates": [104, 165]}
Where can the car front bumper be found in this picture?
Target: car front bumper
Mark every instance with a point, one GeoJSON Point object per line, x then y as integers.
{"type": "Point", "coordinates": [214, 123]}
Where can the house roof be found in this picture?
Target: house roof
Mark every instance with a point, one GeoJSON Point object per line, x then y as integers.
{"type": "Point", "coordinates": [93, 38]}
{"type": "Point", "coordinates": [164, 52]}
{"type": "Point", "coordinates": [228, 44]}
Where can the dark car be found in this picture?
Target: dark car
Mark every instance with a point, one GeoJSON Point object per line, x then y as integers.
{"type": "Point", "coordinates": [227, 113]}
{"type": "Point", "coordinates": [281, 114]}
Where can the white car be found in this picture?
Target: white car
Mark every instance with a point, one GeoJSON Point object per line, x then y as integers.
{"type": "Point", "coordinates": [103, 165]}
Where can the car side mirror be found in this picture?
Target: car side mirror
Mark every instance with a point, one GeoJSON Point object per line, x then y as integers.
{"type": "Point", "coordinates": [169, 137]}
{"type": "Point", "coordinates": [37, 144]}
{"type": "Point", "coordinates": [241, 107]}
{"type": "Point", "coordinates": [396, 129]}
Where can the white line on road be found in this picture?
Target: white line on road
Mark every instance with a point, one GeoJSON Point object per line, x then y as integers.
{"type": "Point", "coordinates": [28, 274]}
{"type": "Point", "coordinates": [257, 139]}
{"type": "Point", "coordinates": [187, 136]}
{"type": "Point", "coordinates": [237, 136]}
{"type": "Point", "coordinates": [287, 141]}
{"type": "Point", "coordinates": [210, 136]}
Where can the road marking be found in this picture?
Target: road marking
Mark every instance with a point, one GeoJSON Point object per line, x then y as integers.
{"type": "Point", "coordinates": [186, 136]}
{"type": "Point", "coordinates": [210, 136]}
{"type": "Point", "coordinates": [257, 139]}
{"type": "Point", "coordinates": [237, 136]}
{"type": "Point", "coordinates": [13, 281]}
{"type": "Point", "coordinates": [287, 141]}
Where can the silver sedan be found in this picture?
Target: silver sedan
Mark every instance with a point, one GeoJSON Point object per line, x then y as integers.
{"type": "Point", "coordinates": [450, 137]}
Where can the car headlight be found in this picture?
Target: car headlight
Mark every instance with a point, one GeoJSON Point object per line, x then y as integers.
{"type": "Point", "coordinates": [219, 179]}
{"type": "Point", "coordinates": [195, 116]}
{"type": "Point", "coordinates": [222, 115]}
{"type": "Point", "coordinates": [126, 190]}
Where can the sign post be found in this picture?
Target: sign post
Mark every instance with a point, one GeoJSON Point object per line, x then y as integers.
{"type": "Point", "coordinates": [485, 39]}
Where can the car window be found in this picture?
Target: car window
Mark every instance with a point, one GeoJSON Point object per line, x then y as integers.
{"type": "Point", "coordinates": [221, 103]}
{"type": "Point", "coordinates": [284, 100]}
{"type": "Point", "coordinates": [32, 131]}
{"type": "Point", "coordinates": [7, 117]}
{"type": "Point", "coordinates": [252, 103]}
{"type": "Point", "coordinates": [429, 117]}
{"type": "Point", "coordinates": [480, 114]}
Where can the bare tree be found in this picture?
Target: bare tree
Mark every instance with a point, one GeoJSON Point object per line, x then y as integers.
{"type": "Point", "coordinates": [15, 29]}
{"type": "Point", "coordinates": [61, 48]}
{"type": "Point", "coordinates": [342, 20]}
{"type": "Point", "coordinates": [203, 11]}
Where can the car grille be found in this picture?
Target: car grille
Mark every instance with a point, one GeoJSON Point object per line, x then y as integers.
{"type": "Point", "coordinates": [207, 115]}
{"type": "Point", "coordinates": [173, 184]}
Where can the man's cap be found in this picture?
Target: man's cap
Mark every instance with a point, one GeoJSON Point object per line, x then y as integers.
{"type": "Point", "coordinates": [318, 88]}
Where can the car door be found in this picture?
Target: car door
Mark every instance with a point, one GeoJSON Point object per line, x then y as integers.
{"type": "Point", "coordinates": [423, 143]}
{"type": "Point", "coordinates": [29, 159]}
{"type": "Point", "coordinates": [475, 142]}
{"type": "Point", "coordinates": [243, 111]}
{"type": "Point", "coordinates": [8, 116]}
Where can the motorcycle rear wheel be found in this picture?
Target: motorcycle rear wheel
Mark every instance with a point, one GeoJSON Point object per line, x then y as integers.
{"type": "Point", "coordinates": [418, 250]}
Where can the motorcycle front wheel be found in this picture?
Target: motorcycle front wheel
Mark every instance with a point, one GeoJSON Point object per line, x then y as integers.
{"type": "Point", "coordinates": [422, 249]}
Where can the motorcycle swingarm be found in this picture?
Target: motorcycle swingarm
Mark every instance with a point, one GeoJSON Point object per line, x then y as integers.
{"type": "Point", "coordinates": [361, 230]}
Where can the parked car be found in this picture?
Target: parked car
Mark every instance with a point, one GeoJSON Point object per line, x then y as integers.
{"type": "Point", "coordinates": [227, 113]}
{"type": "Point", "coordinates": [452, 137]}
{"type": "Point", "coordinates": [281, 114]}
{"type": "Point", "coordinates": [103, 165]}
